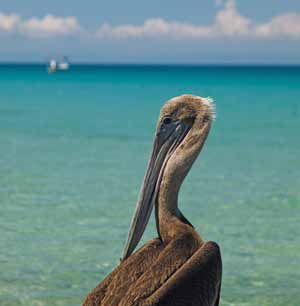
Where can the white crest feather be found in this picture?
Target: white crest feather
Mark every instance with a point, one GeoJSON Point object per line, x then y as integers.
{"type": "Point", "coordinates": [209, 102]}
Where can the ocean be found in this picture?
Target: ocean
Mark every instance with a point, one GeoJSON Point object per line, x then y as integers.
{"type": "Point", "coordinates": [73, 149]}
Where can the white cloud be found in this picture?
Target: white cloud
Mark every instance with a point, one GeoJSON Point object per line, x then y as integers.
{"type": "Point", "coordinates": [39, 27]}
{"type": "Point", "coordinates": [280, 26]}
{"type": "Point", "coordinates": [228, 22]}
{"type": "Point", "coordinates": [154, 27]}
{"type": "Point", "coordinates": [8, 22]}
{"type": "Point", "coordinates": [50, 26]}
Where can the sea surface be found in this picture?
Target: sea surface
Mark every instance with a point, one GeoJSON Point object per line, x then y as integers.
{"type": "Point", "coordinates": [73, 150]}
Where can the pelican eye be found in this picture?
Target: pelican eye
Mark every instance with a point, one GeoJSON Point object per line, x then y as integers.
{"type": "Point", "coordinates": [167, 120]}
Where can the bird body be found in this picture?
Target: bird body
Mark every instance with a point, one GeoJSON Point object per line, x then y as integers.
{"type": "Point", "coordinates": [178, 268]}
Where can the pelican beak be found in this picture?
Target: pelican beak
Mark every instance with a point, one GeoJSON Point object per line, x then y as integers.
{"type": "Point", "coordinates": [167, 138]}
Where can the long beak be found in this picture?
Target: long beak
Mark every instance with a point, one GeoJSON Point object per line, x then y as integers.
{"type": "Point", "coordinates": [165, 142]}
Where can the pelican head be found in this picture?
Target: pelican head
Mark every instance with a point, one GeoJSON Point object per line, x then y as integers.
{"type": "Point", "coordinates": [182, 128]}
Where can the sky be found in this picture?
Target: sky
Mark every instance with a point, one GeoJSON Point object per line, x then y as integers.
{"type": "Point", "coordinates": [156, 31]}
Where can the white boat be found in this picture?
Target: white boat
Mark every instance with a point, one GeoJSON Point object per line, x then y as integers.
{"type": "Point", "coordinates": [58, 65]}
{"type": "Point", "coordinates": [52, 67]}
{"type": "Point", "coordinates": [64, 64]}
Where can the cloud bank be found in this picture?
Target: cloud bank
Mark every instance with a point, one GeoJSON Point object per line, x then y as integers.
{"type": "Point", "coordinates": [8, 22]}
{"type": "Point", "coordinates": [50, 26]}
{"type": "Point", "coordinates": [228, 22]}
{"type": "Point", "coordinates": [47, 26]}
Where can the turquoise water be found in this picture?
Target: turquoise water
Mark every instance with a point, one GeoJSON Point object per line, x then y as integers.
{"type": "Point", "coordinates": [74, 147]}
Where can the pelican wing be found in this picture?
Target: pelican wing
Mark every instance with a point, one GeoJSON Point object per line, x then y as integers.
{"type": "Point", "coordinates": [149, 279]}
{"type": "Point", "coordinates": [196, 283]}
{"type": "Point", "coordinates": [182, 275]}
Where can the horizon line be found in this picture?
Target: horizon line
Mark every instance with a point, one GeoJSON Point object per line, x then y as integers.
{"type": "Point", "coordinates": [128, 63]}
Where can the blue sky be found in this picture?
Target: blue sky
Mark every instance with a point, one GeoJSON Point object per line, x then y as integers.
{"type": "Point", "coordinates": [203, 31]}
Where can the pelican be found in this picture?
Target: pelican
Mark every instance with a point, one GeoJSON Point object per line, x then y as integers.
{"type": "Point", "coordinates": [178, 268]}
